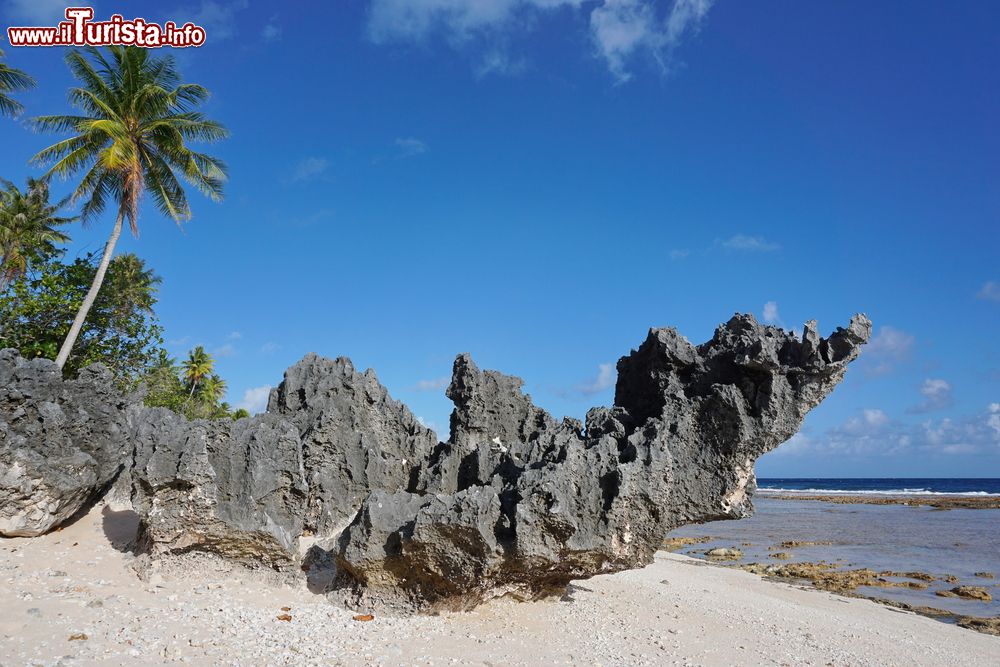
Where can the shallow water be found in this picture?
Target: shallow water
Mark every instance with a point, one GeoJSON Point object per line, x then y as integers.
{"type": "Point", "coordinates": [915, 486]}
{"type": "Point", "coordinates": [881, 537]}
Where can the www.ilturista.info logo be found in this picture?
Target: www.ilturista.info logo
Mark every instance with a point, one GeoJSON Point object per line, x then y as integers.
{"type": "Point", "coordinates": [79, 29]}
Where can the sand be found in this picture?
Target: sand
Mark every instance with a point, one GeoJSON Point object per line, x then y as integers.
{"type": "Point", "coordinates": [678, 611]}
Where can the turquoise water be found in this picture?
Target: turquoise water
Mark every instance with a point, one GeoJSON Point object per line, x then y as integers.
{"type": "Point", "coordinates": [881, 537]}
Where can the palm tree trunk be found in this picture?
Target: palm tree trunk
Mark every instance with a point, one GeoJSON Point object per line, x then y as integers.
{"type": "Point", "coordinates": [88, 301]}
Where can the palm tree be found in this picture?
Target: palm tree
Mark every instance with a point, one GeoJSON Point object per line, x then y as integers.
{"type": "Point", "coordinates": [197, 367]}
{"type": "Point", "coordinates": [12, 80]}
{"type": "Point", "coordinates": [130, 140]}
{"type": "Point", "coordinates": [28, 227]}
{"type": "Point", "coordinates": [213, 388]}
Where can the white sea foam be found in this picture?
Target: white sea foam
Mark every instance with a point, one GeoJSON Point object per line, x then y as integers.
{"type": "Point", "coordinates": [867, 492]}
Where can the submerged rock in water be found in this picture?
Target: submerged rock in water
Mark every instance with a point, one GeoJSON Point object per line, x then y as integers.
{"type": "Point", "coordinates": [62, 442]}
{"type": "Point", "coordinates": [519, 503]}
{"type": "Point", "coordinates": [967, 592]}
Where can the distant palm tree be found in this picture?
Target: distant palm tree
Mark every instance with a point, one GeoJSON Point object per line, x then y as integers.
{"type": "Point", "coordinates": [213, 388]}
{"type": "Point", "coordinates": [197, 367]}
{"type": "Point", "coordinates": [28, 227]}
{"type": "Point", "coordinates": [130, 140]}
{"type": "Point", "coordinates": [12, 80]}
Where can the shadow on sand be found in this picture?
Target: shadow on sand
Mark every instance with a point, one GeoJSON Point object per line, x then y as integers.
{"type": "Point", "coordinates": [121, 528]}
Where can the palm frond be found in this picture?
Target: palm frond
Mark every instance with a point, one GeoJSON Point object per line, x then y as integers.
{"type": "Point", "coordinates": [136, 120]}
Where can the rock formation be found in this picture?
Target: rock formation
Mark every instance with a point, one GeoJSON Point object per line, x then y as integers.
{"type": "Point", "coordinates": [355, 437]}
{"type": "Point", "coordinates": [61, 442]}
{"type": "Point", "coordinates": [234, 489]}
{"type": "Point", "coordinates": [515, 502]}
{"type": "Point", "coordinates": [519, 503]}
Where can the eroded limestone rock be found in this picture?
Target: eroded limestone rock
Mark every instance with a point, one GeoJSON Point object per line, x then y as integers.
{"type": "Point", "coordinates": [516, 502]}
{"type": "Point", "coordinates": [232, 489]}
{"type": "Point", "coordinates": [61, 442]}
{"type": "Point", "coordinates": [519, 503]}
{"type": "Point", "coordinates": [355, 437]}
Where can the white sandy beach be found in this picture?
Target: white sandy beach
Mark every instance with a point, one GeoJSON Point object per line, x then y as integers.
{"type": "Point", "coordinates": [678, 611]}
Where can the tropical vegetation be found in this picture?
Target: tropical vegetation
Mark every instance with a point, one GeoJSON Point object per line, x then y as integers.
{"type": "Point", "coordinates": [29, 227]}
{"type": "Point", "coordinates": [37, 309]}
{"type": "Point", "coordinates": [191, 388]}
{"type": "Point", "coordinates": [11, 81]}
{"type": "Point", "coordinates": [131, 138]}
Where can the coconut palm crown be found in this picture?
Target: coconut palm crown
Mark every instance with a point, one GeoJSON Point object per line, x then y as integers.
{"type": "Point", "coordinates": [12, 80]}
{"type": "Point", "coordinates": [131, 138]}
{"type": "Point", "coordinates": [29, 227]}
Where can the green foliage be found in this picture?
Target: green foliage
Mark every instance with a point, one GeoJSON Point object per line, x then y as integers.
{"type": "Point", "coordinates": [132, 137]}
{"type": "Point", "coordinates": [12, 80]}
{"type": "Point", "coordinates": [137, 117]}
{"type": "Point", "coordinates": [164, 388]}
{"type": "Point", "coordinates": [192, 389]}
{"type": "Point", "coordinates": [28, 227]}
{"type": "Point", "coordinates": [37, 308]}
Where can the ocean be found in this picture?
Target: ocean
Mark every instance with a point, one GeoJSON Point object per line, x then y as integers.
{"type": "Point", "coordinates": [956, 547]}
{"type": "Point", "coordinates": [910, 486]}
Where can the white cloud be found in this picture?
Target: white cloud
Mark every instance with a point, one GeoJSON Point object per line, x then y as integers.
{"type": "Point", "coordinates": [410, 146]}
{"type": "Point", "coordinates": [271, 32]}
{"type": "Point", "coordinates": [622, 28]}
{"type": "Point", "coordinates": [887, 349]}
{"type": "Point", "coordinates": [310, 168]}
{"type": "Point", "coordinates": [619, 29]}
{"type": "Point", "coordinates": [458, 20]}
{"type": "Point", "coordinates": [499, 61]}
{"type": "Point", "coordinates": [797, 444]}
{"type": "Point", "coordinates": [270, 347]}
{"type": "Point", "coordinates": [875, 417]}
{"type": "Point", "coordinates": [990, 291]}
{"type": "Point", "coordinates": [937, 395]}
{"type": "Point", "coordinates": [255, 399]}
{"type": "Point", "coordinates": [891, 342]}
{"type": "Point", "coordinates": [869, 420]}
{"type": "Point", "coordinates": [179, 342]}
{"type": "Point", "coordinates": [745, 243]}
{"type": "Point", "coordinates": [225, 350]}
{"type": "Point", "coordinates": [432, 385]}
{"type": "Point", "coordinates": [604, 380]}
{"type": "Point", "coordinates": [770, 313]}
{"type": "Point", "coordinates": [37, 12]}
{"type": "Point", "coordinates": [872, 433]}
{"type": "Point", "coordinates": [679, 253]}
{"type": "Point", "coordinates": [234, 335]}
{"type": "Point", "coordinates": [218, 18]}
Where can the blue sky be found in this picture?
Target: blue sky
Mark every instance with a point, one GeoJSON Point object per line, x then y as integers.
{"type": "Point", "coordinates": [538, 182]}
